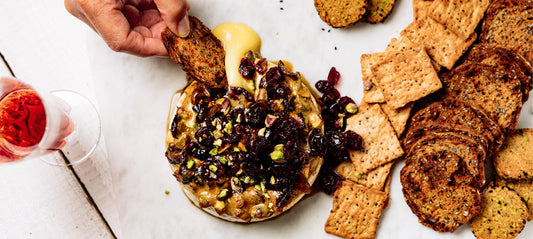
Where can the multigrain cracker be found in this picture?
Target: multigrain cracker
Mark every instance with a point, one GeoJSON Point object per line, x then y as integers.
{"type": "Point", "coordinates": [373, 179]}
{"type": "Point", "coordinates": [372, 92]}
{"type": "Point", "coordinates": [341, 13]}
{"type": "Point", "coordinates": [444, 46]}
{"type": "Point", "coordinates": [356, 211]}
{"type": "Point", "coordinates": [200, 54]}
{"type": "Point", "coordinates": [524, 188]}
{"type": "Point", "coordinates": [405, 77]}
{"type": "Point", "coordinates": [397, 117]}
{"type": "Point", "coordinates": [420, 8]}
{"type": "Point", "coordinates": [515, 159]}
{"type": "Point", "coordinates": [404, 44]}
{"type": "Point", "coordinates": [503, 214]}
{"type": "Point", "coordinates": [380, 144]}
{"type": "Point", "coordinates": [378, 10]}
{"type": "Point", "coordinates": [460, 16]}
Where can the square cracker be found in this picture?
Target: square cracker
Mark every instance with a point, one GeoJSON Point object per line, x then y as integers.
{"type": "Point", "coordinates": [420, 8]}
{"type": "Point", "coordinates": [374, 94]}
{"type": "Point", "coordinates": [460, 16]}
{"type": "Point", "coordinates": [380, 144]}
{"type": "Point", "coordinates": [406, 76]}
{"type": "Point", "coordinates": [356, 211]}
{"type": "Point", "coordinates": [404, 44]}
{"type": "Point", "coordinates": [398, 117]}
{"type": "Point", "coordinates": [444, 46]}
{"type": "Point", "coordinates": [373, 179]}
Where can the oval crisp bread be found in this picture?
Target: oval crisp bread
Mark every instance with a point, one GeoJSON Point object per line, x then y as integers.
{"type": "Point", "coordinates": [200, 54]}
{"type": "Point", "coordinates": [509, 23]}
{"type": "Point", "coordinates": [444, 208]}
{"type": "Point", "coordinates": [341, 13]}
{"type": "Point", "coordinates": [457, 112]}
{"type": "Point", "coordinates": [492, 89]}
{"type": "Point", "coordinates": [503, 214]}
{"type": "Point", "coordinates": [506, 59]}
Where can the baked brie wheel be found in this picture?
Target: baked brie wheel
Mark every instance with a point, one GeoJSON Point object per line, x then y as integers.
{"type": "Point", "coordinates": [247, 156]}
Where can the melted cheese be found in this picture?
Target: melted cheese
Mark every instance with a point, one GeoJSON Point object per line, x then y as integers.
{"type": "Point", "coordinates": [237, 39]}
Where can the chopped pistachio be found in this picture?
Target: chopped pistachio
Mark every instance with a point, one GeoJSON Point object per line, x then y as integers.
{"type": "Point", "coordinates": [351, 108]}
{"type": "Point", "coordinates": [239, 172]}
{"type": "Point", "coordinates": [358, 175]}
{"type": "Point", "coordinates": [278, 147]}
{"type": "Point", "coordinates": [270, 205]}
{"type": "Point", "coordinates": [228, 128]}
{"type": "Point", "coordinates": [217, 134]}
{"type": "Point", "coordinates": [304, 104]}
{"type": "Point", "coordinates": [213, 151]}
{"type": "Point", "coordinates": [261, 132]}
{"type": "Point", "coordinates": [222, 194]}
{"type": "Point", "coordinates": [235, 180]}
{"type": "Point", "coordinates": [213, 168]}
{"type": "Point", "coordinates": [270, 119]}
{"type": "Point", "coordinates": [263, 187]}
{"type": "Point", "coordinates": [219, 206]}
{"type": "Point", "coordinates": [218, 142]}
{"type": "Point", "coordinates": [247, 179]}
{"type": "Point", "coordinates": [190, 164]}
{"type": "Point", "coordinates": [257, 187]}
{"type": "Point", "coordinates": [272, 180]}
{"type": "Point", "coordinates": [167, 192]}
{"type": "Point", "coordinates": [367, 85]}
{"type": "Point", "coordinates": [202, 200]}
{"type": "Point", "coordinates": [222, 160]}
{"type": "Point", "coordinates": [239, 118]}
{"type": "Point", "coordinates": [236, 149]}
{"type": "Point", "coordinates": [278, 156]}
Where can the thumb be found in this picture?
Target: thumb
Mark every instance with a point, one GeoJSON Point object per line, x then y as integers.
{"type": "Point", "coordinates": [174, 13]}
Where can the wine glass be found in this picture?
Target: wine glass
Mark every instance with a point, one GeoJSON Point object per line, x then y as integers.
{"type": "Point", "coordinates": [34, 124]}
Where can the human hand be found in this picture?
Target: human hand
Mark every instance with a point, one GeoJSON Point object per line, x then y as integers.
{"type": "Point", "coordinates": [133, 26]}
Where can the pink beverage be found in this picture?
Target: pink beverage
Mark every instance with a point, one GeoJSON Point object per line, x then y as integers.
{"type": "Point", "coordinates": [23, 121]}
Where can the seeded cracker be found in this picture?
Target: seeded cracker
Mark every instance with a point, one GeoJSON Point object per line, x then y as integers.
{"type": "Point", "coordinates": [398, 117]}
{"type": "Point", "coordinates": [405, 77]}
{"type": "Point", "coordinates": [405, 44]}
{"type": "Point", "coordinates": [380, 144]}
{"type": "Point", "coordinates": [374, 94]}
{"type": "Point", "coordinates": [503, 214]}
{"type": "Point", "coordinates": [373, 179]}
{"type": "Point", "coordinates": [378, 10]}
{"type": "Point", "coordinates": [341, 13]}
{"type": "Point", "coordinates": [444, 46]}
{"type": "Point", "coordinates": [200, 54]}
{"type": "Point", "coordinates": [420, 8]}
{"type": "Point", "coordinates": [356, 211]}
{"type": "Point", "coordinates": [524, 188]}
{"type": "Point", "coordinates": [515, 159]}
{"type": "Point", "coordinates": [460, 16]}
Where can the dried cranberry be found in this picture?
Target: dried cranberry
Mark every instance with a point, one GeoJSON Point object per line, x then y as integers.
{"type": "Point", "coordinates": [336, 140]}
{"type": "Point", "coordinates": [237, 115]}
{"type": "Point", "coordinates": [261, 66]}
{"type": "Point", "coordinates": [317, 142]}
{"type": "Point", "coordinates": [204, 137]}
{"type": "Point", "coordinates": [273, 76]}
{"type": "Point", "coordinates": [231, 138]}
{"type": "Point", "coordinates": [291, 151]}
{"type": "Point", "coordinates": [330, 181]}
{"type": "Point", "coordinates": [324, 86]}
{"type": "Point", "coordinates": [256, 113]}
{"type": "Point", "coordinates": [279, 92]}
{"type": "Point", "coordinates": [285, 128]}
{"type": "Point", "coordinates": [261, 146]}
{"type": "Point", "coordinates": [174, 126]}
{"type": "Point", "coordinates": [236, 91]}
{"type": "Point", "coordinates": [330, 97]}
{"type": "Point", "coordinates": [334, 76]}
{"type": "Point", "coordinates": [246, 69]}
{"type": "Point", "coordinates": [353, 140]}
{"type": "Point", "coordinates": [343, 102]}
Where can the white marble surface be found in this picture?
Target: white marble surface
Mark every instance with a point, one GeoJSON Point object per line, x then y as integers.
{"type": "Point", "coordinates": [134, 95]}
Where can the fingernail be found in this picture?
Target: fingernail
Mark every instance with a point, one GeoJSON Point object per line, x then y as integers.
{"type": "Point", "coordinates": [183, 27]}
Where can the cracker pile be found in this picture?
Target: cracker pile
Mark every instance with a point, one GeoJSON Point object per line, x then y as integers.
{"type": "Point", "coordinates": [342, 13]}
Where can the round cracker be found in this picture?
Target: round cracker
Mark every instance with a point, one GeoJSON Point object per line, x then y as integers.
{"type": "Point", "coordinates": [503, 214]}
{"type": "Point", "coordinates": [341, 13]}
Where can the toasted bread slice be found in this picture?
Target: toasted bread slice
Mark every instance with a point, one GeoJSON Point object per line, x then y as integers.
{"type": "Point", "coordinates": [200, 54]}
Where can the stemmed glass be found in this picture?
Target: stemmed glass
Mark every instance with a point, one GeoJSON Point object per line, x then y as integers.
{"type": "Point", "coordinates": [34, 124]}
